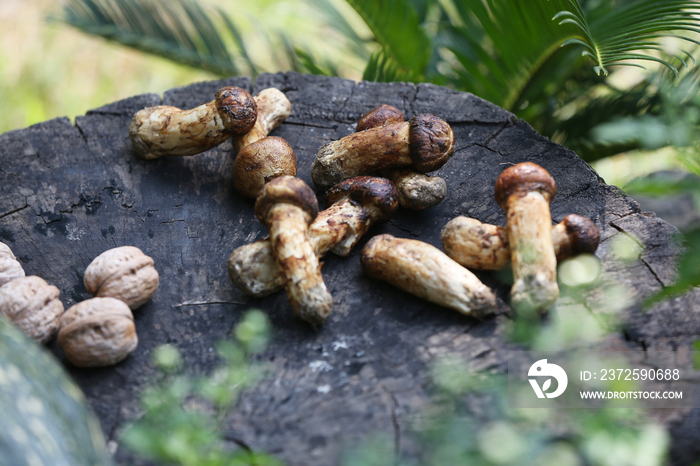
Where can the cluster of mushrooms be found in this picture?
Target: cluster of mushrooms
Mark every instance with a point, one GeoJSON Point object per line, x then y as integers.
{"type": "Point", "coordinates": [96, 332]}
{"type": "Point", "coordinates": [366, 176]}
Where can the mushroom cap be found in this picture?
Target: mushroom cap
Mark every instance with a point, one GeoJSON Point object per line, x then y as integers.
{"type": "Point", "coordinates": [431, 142]}
{"type": "Point", "coordinates": [379, 116]}
{"type": "Point", "coordinates": [583, 232]}
{"type": "Point", "coordinates": [286, 190]}
{"type": "Point", "coordinates": [378, 192]}
{"type": "Point", "coordinates": [260, 162]}
{"type": "Point", "coordinates": [521, 179]}
{"type": "Point", "coordinates": [237, 109]}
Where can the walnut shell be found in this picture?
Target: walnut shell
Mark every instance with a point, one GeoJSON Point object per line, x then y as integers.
{"type": "Point", "coordinates": [124, 273]}
{"type": "Point", "coordinates": [33, 306]}
{"type": "Point", "coordinates": [10, 268]}
{"type": "Point", "coordinates": [97, 332]}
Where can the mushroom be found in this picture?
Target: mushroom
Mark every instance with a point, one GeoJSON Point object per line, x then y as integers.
{"type": "Point", "coordinates": [166, 130]}
{"type": "Point", "coordinates": [417, 191]}
{"type": "Point", "coordinates": [481, 246]}
{"type": "Point", "coordinates": [261, 158]}
{"type": "Point", "coordinates": [273, 108]}
{"type": "Point", "coordinates": [425, 142]}
{"type": "Point", "coordinates": [427, 272]}
{"type": "Point", "coordinates": [379, 116]}
{"type": "Point", "coordinates": [260, 162]}
{"type": "Point", "coordinates": [524, 191]}
{"type": "Point", "coordinates": [286, 206]}
{"type": "Point", "coordinates": [354, 206]}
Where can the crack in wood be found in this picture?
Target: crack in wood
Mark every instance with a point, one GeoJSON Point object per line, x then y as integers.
{"type": "Point", "coordinates": [14, 211]}
{"type": "Point", "coordinates": [204, 303]}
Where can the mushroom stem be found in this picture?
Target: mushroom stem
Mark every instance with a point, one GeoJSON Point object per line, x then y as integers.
{"type": "Point", "coordinates": [481, 246]}
{"type": "Point", "coordinates": [273, 108]}
{"type": "Point", "coordinates": [427, 272]}
{"type": "Point", "coordinates": [356, 204]}
{"type": "Point", "coordinates": [306, 290]}
{"type": "Point", "coordinates": [364, 152]}
{"type": "Point", "coordinates": [262, 158]}
{"type": "Point", "coordinates": [524, 191]}
{"type": "Point", "coordinates": [286, 206]}
{"type": "Point", "coordinates": [339, 228]}
{"type": "Point", "coordinates": [417, 191]}
{"type": "Point", "coordinates": [166, 130]}
{"type": "Point", "coordinates": [425, 142]}
{"type": "Point", "coordinates": [252, 267]}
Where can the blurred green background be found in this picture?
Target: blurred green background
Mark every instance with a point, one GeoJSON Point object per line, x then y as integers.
{"type": "Point", "coordinates": [48, 69]}
{"type": "Point", "coordinates": [627, 124]}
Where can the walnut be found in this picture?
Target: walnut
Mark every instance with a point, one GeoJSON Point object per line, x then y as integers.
{"type": "Point", "coordinates": [33, 306]}
{"type": "Point", "coordinates": [124, 273]}
{"type": "Point", "coordinates": [10, 268]}
{"type": "Point", "coordinates": [97, 332]}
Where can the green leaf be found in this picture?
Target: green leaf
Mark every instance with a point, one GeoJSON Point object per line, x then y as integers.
{"type": "Point", "coordinates": [688, 270]}
{"type": "Point", "coordinates": [659, 186]}
{"type": "Point", "coordinates": [501, 46]}
{"type": "Point", "coordinates": [383, 68]}
{"type": "Point", "coordinates": [397, 28]}
{"type": "Point", "coordinates": [179, 30]}
{"type": "Point", "coordinates": [636, 26]}
{"type": "Point", "coordinates": [696, 355]}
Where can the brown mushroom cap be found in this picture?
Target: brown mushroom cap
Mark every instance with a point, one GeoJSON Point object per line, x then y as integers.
{"type": "Point", "coordinates": [378, 192]}
{"type": "Point", "coordinates": [260, 162]}
{"type": "Point", "coordinates": [583, 232]}
{"type": "Point", "coordinates": [286, 190]}
{"type": "Point", "coordinates": [523, 178]}
{"type": "Point", "coordinates": [431, 142]}
{"type": "Point", "coordinates": [379, 116]}
{"type": "Point", "coordinates": [237, 109]}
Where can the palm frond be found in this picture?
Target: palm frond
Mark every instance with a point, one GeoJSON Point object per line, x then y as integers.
{"type": "Point", "coordinates": [500, 45]}
{"type": "Point", "coordinates": [630, 31]}
{"type": "Point", "coordinates": [309, 64]}
{"type": "Point", "coordinates": [179, 30]}
{"type": "Point", "coordinates": [331, 16]}
{"type": "Point", "coordinates": [383, 68]}
{"type": "Point", "coordinates": [397, 28]}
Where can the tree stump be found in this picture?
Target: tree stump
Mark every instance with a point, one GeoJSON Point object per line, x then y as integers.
{"type": "Point", "coordinates": [69, 192]}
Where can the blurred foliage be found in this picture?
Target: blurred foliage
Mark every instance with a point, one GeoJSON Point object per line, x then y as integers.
{"type": "Point", "coordinates": [183, 420]}
{"type": "Point", "coordinates": [672, 119]}
{"type": "Point", "coordinates": [507, 51]}
{"type": "Point", "coordinates": [469, 419]}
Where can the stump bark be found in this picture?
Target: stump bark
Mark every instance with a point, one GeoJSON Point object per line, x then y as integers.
{"type": "Point", "coordinates": [69, 192]}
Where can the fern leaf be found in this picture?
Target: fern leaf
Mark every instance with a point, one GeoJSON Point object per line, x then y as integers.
{"type": "Point", "coordinates": [624, 33]}
{"type": "Point", "coordinates": [397, 27]}
{"type": "Point", "coordinates": [180, 30]}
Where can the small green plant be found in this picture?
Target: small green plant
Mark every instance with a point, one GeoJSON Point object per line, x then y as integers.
{"type": "Point", "coordinates": [184, 416]}
{"type": "Point", "coordinates": [469, 420]}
